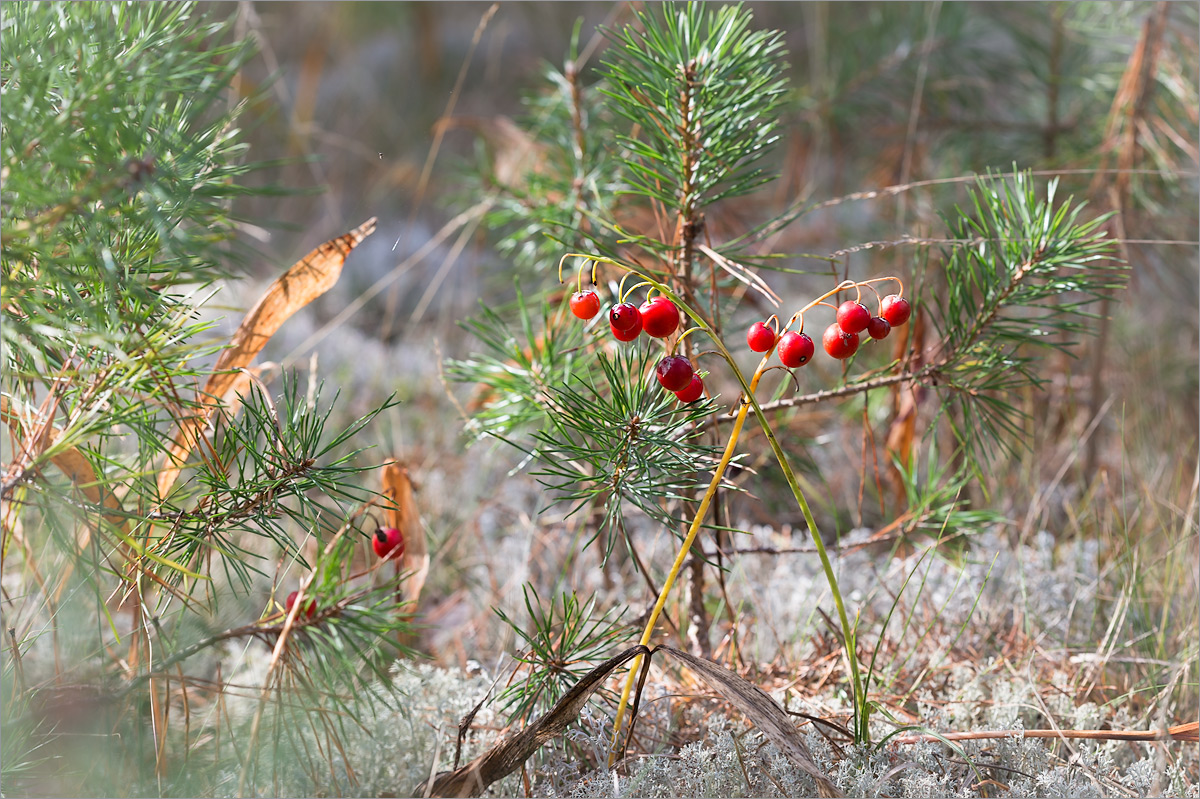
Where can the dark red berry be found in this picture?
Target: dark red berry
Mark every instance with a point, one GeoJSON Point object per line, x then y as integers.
{"type": "Point", "coordinates": [895, 309]}
{"type": "Point", "coordinates": [388, 542]}
{"type": "Point", "coordinates": [625, 318]}
{"type": "Point", "coordinates": [585, 304]}
{"type": "Point", "coordinates": [759, 337]}
{"type": "Point", "coordinates": [309, 611]}
{"type": "Point", "coordinates": [838, 343]}
{"type": "Point", "coordinates": [660, 317]}
{"type": "Point", "coordinates": [795, 349]}
{"type": "Point", "coordinates": [674, 372]}
{"type": "Point", "coordinates": [693, 392]}
{"type": "Point", "coordinates": [853, 317]}
{"type": "Point", "coordinates": [626, 335]}
{"type": "Point", "coordinates": [878, 327]}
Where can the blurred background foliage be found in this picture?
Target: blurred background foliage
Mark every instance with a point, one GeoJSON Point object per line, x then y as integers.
{"type": "Point", "coordinates": [418, 112]}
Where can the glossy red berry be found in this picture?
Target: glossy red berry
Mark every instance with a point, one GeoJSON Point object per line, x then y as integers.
{"type": "Point", "coordinates": [674, 372]}
{"type": "Point", "coordinates": [838, 343]}
{"type": "Point", "coordinates": [895, 309]}
{"type": "Point", "coordinates": [878, 327]}
{"type": "Point", "coordinates": [625, 321]}
{"type": "Point", "coordinates": [660, 317]}
{"type": "Point", "coordinates": [693, 392]}
{"type": "Point", "coordinates": [308, 612]}
{"type": "Point", "coordinates": [759, 337]}
{"type": "Point", "coordinates": [388, 542]}
{"type": "Point", "coordinates": [853, 317]}
{"type": "Point", "coordinates": [585, 304]}
{"type": "Point", "coordinates": [795, 349]}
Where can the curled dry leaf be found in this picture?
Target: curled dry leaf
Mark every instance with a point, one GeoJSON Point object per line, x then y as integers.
{"type": "Point", "coordinates": [507, 756]}
{"type": "Point", "coordinates": [403, 515]}
{"type": "Point", "coordinates": [763, 711]}
{"type": "Point", "coordinates": [309, 278]}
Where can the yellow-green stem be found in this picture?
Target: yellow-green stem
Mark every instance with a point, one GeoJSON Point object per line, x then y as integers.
{"type": "Point", "coordinates": [684, 548]}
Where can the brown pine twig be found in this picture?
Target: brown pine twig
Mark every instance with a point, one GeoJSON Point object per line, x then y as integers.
{"type": "Point", "coordinates": [1180, 732]}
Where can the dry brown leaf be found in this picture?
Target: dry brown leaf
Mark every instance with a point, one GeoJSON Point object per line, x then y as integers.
{"type": "Point", "coordinates": [507, 756]}
{"type": "Point", "coordinates": [905, 397]}
{"type": "Point", "coordinates": [763, 711]}
{"type": "Point", "coordinates": [309, 278]}
{"type": "Point", "coordinates": [403, 515]}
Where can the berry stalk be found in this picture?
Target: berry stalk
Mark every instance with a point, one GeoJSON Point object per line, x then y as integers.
{"type": "Point", "coordinates": [748, 400]}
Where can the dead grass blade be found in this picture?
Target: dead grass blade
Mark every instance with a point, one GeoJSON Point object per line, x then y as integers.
{"type": "Point", "coordinates": [763, 711]}
{"type": "Point", "coordinates": [743, 274]}
{"type": "Point", "coordinates": [507, 756]}
{"type": "Point", "coordinates": [403, 515]}
{"type": "Point", "coordinates": [309, 278]}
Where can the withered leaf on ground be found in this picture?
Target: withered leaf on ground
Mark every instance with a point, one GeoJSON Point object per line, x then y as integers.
{"type": "Point", "coordinates": [507, 756]}
{"type": "Point", "coordinates": [309, 278]}
{"type": "Point", "coordinates": [763, 711]}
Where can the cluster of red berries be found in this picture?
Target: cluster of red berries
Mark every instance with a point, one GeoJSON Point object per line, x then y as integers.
{"type": "Point", "coordinates": [658, 317]}
{"type": "Point", "coordinates": [388, 543]}
{"type": "Point", "coordinates": [841, 339]}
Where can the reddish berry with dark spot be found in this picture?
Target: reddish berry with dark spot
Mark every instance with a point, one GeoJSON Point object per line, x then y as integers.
{"type": "Point", "coordinates": [388, 542]}
{"type": "Point", "coordinates": [795, 349]}
{"type": "Point", "coordinates": [674, 373]}
{"type": "Point", "coordinates": [878, 328]}
{"type": "Point", "coordinates": [660, 317]}
{"type": "Point", "coordinates": [308, 612]}
{"type": "Point", "coordinates": [838, 343]}
{"type": "Point", "coordinates": [853, 317]}
{"type": "Point", "coordinates": [693, 392]}
{"type": "Point", "coordinates": [625, 321]}
{"type": "Point", "coordinates": [895, 309]}
{"type": "Point", "coordinates": [759, 337]}
{"type": "Point", "coordinates": [585, 304]}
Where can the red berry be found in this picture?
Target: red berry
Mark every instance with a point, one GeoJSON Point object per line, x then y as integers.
{"type": "Point", "coordinates": [878, 327]}
{"type": "Point", "coordinates": [585, 304]}
{"type": "Point", "coordinates": [693, 392]}
{"type": "Point", "coordinates": [309, 611]}
{"type": "Point", "coordinates": [625, 321]}
{"type": "Point", "coordinates": [660, 317]}
{"type": "Point", "coordinates": [674, 372]}
{"type": "Point", "coordinates": [388, 542]}
{"type": "Point", "coordinates": [626, 335]}
{"type": "Point", "coordinates": [838, 343]}
{"type": "Point", "coordinates": [895, 309]}
{"type": "Point", "coordinates": [853, 317]}
{"type": "Point", "coordinates": [795, 349]}
{"type": "Point", "coordinates": [759, 337]}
